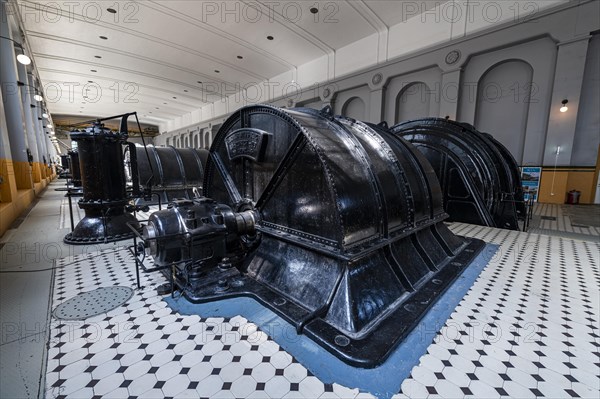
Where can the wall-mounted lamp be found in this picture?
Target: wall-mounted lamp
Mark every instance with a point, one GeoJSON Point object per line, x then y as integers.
{"type": "Point", "coordinates": [36, 96]}
{"type": "Point", "coordinates": [564, 107]}
{"type": "Point", "coordinates": [22, 58]}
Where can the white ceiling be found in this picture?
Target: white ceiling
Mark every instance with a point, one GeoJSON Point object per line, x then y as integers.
{"type": "Point", "coordinates": [156, 52]}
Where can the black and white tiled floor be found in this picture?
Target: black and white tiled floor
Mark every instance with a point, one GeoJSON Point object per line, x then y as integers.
{"type": "Point", "coordinates": [555, 219]}
{"type": "Point", "coordinates": [529, 327]}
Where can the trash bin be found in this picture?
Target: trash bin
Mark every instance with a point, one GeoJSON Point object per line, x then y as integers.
{"type": "Point", "coordinates": [573, 197]}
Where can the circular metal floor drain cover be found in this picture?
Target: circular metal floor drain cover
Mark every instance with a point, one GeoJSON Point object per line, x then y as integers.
{"type": "Point", "coordinates": [93, 303]}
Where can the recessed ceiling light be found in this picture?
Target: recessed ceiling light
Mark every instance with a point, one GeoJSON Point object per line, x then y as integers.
{"type": "Point", "coordinates": [98, 56]}
{"type": "Point", "coordinates": [37, 97]}
{"type": "Point", "coordinates": [93, 70]}
{"type": "Point", "coordinates": [217, 71]}
{"type": "Point", "coordinates": [103, 37]}
{"type": "Point", "coordinates": [111, 10]}
{"type": "Point", "coordinates": [45, 115]}
{"type": "Point", "coordinates": [270, 37]}
{"type": "Point", "coordinates": [314, 10]}
{"type": "Point", "coordinates": [240, 57]}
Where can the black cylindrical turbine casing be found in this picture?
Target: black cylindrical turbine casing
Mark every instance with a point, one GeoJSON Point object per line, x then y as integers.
{"type": "Point", "coordinates": [74, 168]}
{"type": "Point", "coordinates": [104, 192]}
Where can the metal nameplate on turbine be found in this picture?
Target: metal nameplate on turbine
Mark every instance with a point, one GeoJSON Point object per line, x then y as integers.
{"type": "Point", "coordinates": [246, 143]}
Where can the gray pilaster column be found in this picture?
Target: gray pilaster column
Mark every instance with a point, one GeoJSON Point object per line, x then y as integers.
{"type": "Point", "coordinates": [51, 150]}
{"type": "Point", "coordinates": [49, 145]}
{"type": "Point", "coordinates": [10, 92]}
{"type": "Point", "coordinates": [4, 141]}
{"type": "Point", "coordinates": [38, 123]}
{"type": "Point", "coordinates": [568, 79]}
{"type": "Point", "coordinates": [448, 94]}
{"type": "Point", "coordinates": [36, 114]}
{"type": "Point", "coordinates": [376, 106]}
{"type": "Point", "coordinates": [43, 135]}
{"type": "Point", "coordinates": [26, 101]}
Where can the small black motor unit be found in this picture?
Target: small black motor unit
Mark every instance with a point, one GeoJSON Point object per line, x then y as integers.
{"type": "Point", "coordinates": [334, 225]}
{"type": "Point", "coordinates": [100, 153]}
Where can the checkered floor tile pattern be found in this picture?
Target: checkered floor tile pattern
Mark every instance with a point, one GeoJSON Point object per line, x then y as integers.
{"type": "Point", "coordinates": [529, 327]}
{"type": "Point", "coordinates": [552, 219]}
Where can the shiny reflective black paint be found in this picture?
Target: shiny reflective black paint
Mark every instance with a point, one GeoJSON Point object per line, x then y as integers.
{"type": "Point", "coordinates": [480, 180]}
{"type": "Point", "coordinates": [74, 168]}
{"type": "Point", "coordinates": [170, 172]}
{"type": "Point", "coordinates": [351, 247]}
{"type": "Point", "coordinates": [100, 153]}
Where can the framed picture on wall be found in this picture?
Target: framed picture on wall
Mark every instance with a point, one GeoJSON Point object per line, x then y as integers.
{"type": "Point", "coordinates": [530, 179]}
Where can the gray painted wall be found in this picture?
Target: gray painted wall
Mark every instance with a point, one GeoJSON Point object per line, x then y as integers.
{"type": "Point", "coordinates": [531, 65]}
{"type": "Point", "coordinates": [587, 132]}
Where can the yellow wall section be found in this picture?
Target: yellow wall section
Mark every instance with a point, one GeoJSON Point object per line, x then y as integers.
{"type": "Point", "coordinates": [584, 182]}
{"type": "Point", "coordinates": [553, 187]}
{"type": "Point", "coordinates": [566, 180]}
{"type": "Point", "coordinates": [8, 191]}
{"type": "Point", "coordinates": [6, 187]}
{"type": "Point", "coordinates": [14, 199]}
{"type": "Point", "coordinates": [37, 172]}
{"type": "Point", "coordinates": [23, 175]}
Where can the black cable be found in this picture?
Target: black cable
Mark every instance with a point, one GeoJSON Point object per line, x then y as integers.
{"type": "Point", "coordinates": [23, 338]}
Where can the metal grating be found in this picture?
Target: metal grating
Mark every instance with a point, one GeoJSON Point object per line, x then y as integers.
{"type": "Point", "coordinates": [92, 303]}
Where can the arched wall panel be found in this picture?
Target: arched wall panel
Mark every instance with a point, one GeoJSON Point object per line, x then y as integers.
{"type": "Point", "coordinates": [541, 55]}
{"type": "Point", "coordinates": [413, 95]}
{"type": "Point", "coordinates": [413, 102]}
{"type": "Point", "coordinates": [506, 86]}
{"type": "Point", "coordinates": [354, 108]}
{"type": "Point", "coordinates": [341, 99]}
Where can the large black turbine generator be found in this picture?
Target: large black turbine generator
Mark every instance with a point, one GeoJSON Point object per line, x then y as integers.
{"type": "Point", "coordinates": [334, 225]}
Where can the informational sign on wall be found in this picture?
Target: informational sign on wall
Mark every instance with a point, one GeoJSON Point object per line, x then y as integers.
{"type": "Point", "coordinates": [530, 176]}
